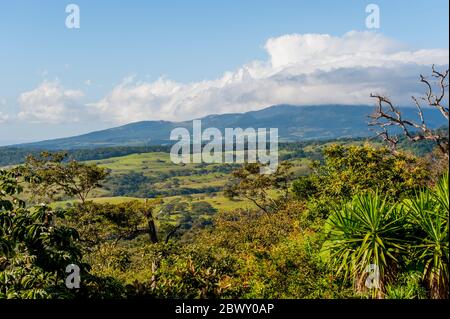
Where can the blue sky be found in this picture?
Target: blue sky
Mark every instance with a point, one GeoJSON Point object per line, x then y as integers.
{"type": "Point", "coordinates": [171, 44]}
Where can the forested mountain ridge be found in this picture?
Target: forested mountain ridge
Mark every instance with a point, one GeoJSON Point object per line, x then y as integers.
{"type": "Point", "coordinates": [295, 123]}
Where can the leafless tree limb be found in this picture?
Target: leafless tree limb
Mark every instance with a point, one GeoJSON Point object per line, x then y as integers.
{"type": "Point", "coordinates": [386, 115]}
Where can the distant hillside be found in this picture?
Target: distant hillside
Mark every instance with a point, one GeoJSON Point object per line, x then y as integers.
{"type": "Point", "coordinates": [295, 123]}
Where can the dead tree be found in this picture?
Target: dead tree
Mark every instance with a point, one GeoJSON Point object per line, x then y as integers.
{"type": "Point", "coordinates": [153, 234]}
{"type": "Point", "coordinates": [150, 223]}
{"type": "Point", "coordinates": [386, 115]}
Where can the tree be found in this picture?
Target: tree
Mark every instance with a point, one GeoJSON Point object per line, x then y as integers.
{"type": "Point", "coordinates": [34, 252]}
{"type": "Point", "coordinates": [49, 176]}
{"type": "Point", "coordinates": [199, 208]}
{"type": "Point", "coordinates": [387, 115]}
{"type": "Point", "coordinates": [367, 232]}
{"type": "Point", "coordinates": [250, 184]}
{"type": "Point", "coordinates": [304, 187]}
{"type": "Point", "coordinates": [399, 239]}
{"type": "Point", "coordinates": [100, 222]}
{"type": "Point", "coordinates": [429, 216]}
{"type": "Point", "coordinates": [350, 170]}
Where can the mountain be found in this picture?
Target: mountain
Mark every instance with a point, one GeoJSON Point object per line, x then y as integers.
{"type": "Point", "coordinates": [293, 122]}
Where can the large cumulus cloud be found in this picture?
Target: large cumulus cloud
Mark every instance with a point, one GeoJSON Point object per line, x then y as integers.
{"type": "Point", "coordinates": [300, 69]}
{"type": "Point", "coordinates": [51, 103]}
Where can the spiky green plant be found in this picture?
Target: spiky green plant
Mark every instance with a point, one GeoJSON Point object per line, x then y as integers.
{"type": "Point", "coordinates": [367, 231]}
{"type": "Point", "coordinates": [429, 214]}
{"type": "Point", "coordinates": [407, 286]}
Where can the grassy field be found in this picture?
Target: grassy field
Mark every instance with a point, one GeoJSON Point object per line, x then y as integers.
{"type": "Point", "coordinates": [154, 175]}
{"type": "Point", "coordinates": [182, 190]}
{"type": "Point", "coordinates": [154, 165]}
{"type": "Point", "coordinates": [176, 178]}
{"type": "Point", "coordinates": [217, 200]}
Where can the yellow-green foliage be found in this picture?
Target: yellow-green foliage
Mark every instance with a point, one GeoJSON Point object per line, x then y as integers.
{"type": "Point", "coordinates": [236, 249]}
{"type": "Point", "coordinates": [353, 169]}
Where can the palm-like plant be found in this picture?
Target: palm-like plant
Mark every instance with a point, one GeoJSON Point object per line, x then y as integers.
{"type": "Point", "coordinates": [429, 213]}
{"type": "Point", "coordinates": [367, 231]}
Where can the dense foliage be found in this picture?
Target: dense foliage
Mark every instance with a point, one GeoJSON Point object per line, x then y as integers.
{"type": "Point", "coordinates": [360, 209]}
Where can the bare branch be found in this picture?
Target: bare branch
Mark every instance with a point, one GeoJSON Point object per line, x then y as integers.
{"type": "Point", "coordinates": [387, 115]}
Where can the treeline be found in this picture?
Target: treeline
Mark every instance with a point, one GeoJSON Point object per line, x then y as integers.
{"type": "Point", "coordinates": [17, 155]}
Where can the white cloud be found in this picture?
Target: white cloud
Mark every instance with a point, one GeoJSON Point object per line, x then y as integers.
{"type": "Point", "coordinates": [51, 103]}
{"type": "Point", "coordinates": [3, 117]}
{"type": "Point", "coordinates": [312, 52]}
{"type": "Point", "coordinates": [301, 69]}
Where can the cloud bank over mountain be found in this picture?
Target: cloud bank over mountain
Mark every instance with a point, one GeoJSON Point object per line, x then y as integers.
{"type": "Point", "coordinates": [301, 69]}
{"type": "Point", "coordinates": [51, 103]}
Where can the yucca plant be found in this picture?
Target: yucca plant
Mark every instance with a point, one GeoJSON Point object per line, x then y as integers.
{"type": "Point", "coordinates": [407, 286]}
{"type": "Point", "coordinates": [429, 214]}
{"type": "Point", "coordinates": [367, 232]}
